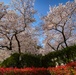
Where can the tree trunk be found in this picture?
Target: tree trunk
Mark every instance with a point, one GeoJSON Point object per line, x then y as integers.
{"type": "Point", "coordinates": [64, 39]}
{"type": "Point", "coordinates": [19, 47]}
{"type": "Point", "coordinates": [10, 45]}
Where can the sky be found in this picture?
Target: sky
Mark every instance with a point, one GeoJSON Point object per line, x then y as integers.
{"type": "Point", "coordinates": [42, 7]}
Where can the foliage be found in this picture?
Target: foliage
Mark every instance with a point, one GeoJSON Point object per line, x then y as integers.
{"type": "Point", "coordinates": [12, 61]}
{"type": "Point", "coordinates": [22, 60]}
{"type": "Point", "coordinates": [58, 57]}
{"type": "Point", "coordinates": [29, 60]}
{"type": "Point", "coordinates": [51, 59]}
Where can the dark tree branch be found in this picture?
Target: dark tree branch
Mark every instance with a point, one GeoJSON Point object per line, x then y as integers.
{"type": "Point", "coordinates": [2, 46]}
{"type": "Point", "coordinates": [59, 45]}
{"type": "Point", "coordinates": [51, 46]}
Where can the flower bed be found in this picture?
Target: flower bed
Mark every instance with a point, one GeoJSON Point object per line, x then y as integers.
{"type": "Point", "coordinates": [68, 69]}
{"type": "Point", "coordinates": [24, 71]}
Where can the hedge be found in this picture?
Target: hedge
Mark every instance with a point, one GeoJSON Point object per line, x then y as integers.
{"type": "Point", "coordinates": [64, 56]}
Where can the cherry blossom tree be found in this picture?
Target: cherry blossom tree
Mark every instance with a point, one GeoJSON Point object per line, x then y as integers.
{"type": "Point", "coordinates": [9, 24]}
{"type": "Point", "coordinates": [60, 25]}
{"type": "Point", "coordinates": [27, 44]}
{"type": "Point", "coordinates": [3, 11]}
{"type": "Point", "coordinates": [15, 38]}
{"type": "Point", "coordinates": [25, 8]}
{"type": "Point", "coordinates": [16, 32]}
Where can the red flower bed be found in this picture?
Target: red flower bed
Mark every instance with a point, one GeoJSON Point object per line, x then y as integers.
{"type": "Point", "coordinates": [24, 71]}
{"type": "Point", "coordinates": [60, 70]}
{"type": "Point", "coordinates": [68, 69]}
{"type": "Point", "coordinates": [72, 64]}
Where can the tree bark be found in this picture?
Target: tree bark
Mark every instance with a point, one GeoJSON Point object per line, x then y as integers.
{"type": "Point", "coordinates": [10, 45]}
{"type": "Point", "coordinates": [64, 39]}
{"type": "Point", "coordinates": [19, 47]}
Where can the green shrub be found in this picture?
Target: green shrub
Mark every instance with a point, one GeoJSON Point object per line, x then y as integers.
{"type": "Point", "coordinates": [62, 56]}
{"type": "Point", "coordinates": [22, 60]}
{"type": "Point", "coordinates": [29, 60]}
{"type": "Point", "coordinates": [12, 61]}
